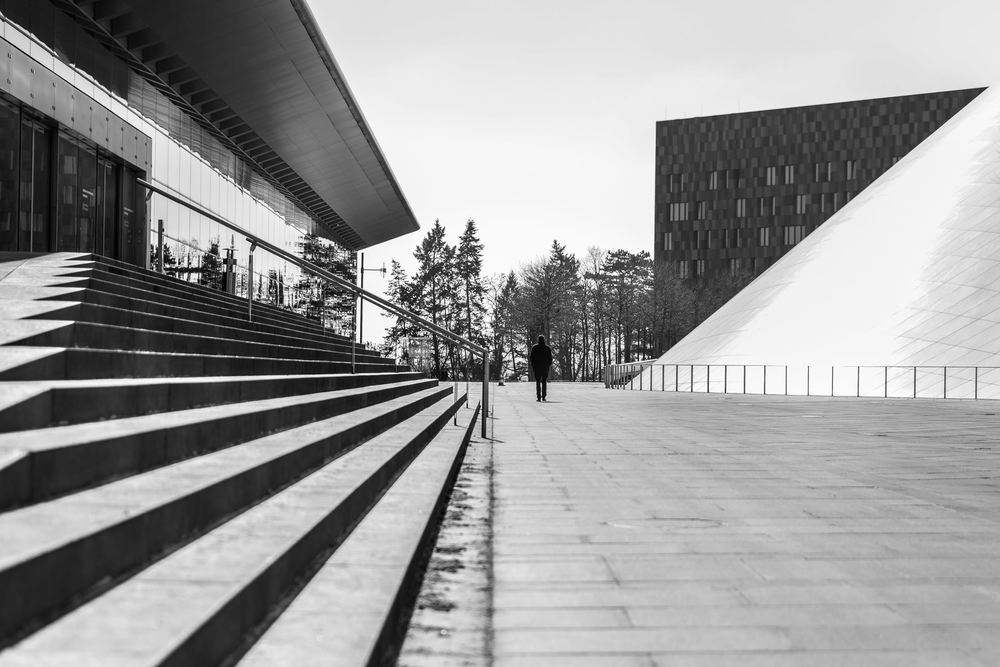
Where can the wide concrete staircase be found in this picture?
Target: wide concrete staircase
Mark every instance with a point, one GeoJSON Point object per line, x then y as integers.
{"type": "Point", "coordinates": [181, 486]}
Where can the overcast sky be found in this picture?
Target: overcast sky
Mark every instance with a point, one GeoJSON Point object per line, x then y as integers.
{"type": "Point", "coordinates": [536, 118]}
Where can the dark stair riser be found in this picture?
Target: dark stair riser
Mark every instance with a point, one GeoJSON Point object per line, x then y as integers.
{"type": "Point", "coordinates": [43, 585]}
{"type": "Point", "coordinates": [56, 471]}
{"type": "Point", "coordinates": [106, 337]}
{"type": "Point", "coordinates": [84, 364]}
{"type": "Point", "coordinates": [211, 326]}
{"type": "Point", "coordinates": [60, 406]}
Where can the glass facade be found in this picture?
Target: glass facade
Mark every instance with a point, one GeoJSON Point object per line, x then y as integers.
{"type": "Point", "coordinates": [61, 192]}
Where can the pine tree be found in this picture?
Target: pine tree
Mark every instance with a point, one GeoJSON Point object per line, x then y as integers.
{"type": "Point", "coordinates": [211, 267]}
{"type": "Point", "coordinates": [468, 273]}
{"type": "Point", "coordinates": [435, 285]}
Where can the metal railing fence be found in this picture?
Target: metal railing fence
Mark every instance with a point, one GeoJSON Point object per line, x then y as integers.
{"type": "Point", "coordinates": [338, 282]}
{"type": "Point", "coordinates": [860, 381]}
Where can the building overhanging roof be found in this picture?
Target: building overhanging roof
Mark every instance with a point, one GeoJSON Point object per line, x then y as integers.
{"type": "Point", "coordinates": [263, 77]}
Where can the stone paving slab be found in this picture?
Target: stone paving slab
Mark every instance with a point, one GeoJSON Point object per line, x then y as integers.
{"type": "Point", "coordinates": [648, 528]}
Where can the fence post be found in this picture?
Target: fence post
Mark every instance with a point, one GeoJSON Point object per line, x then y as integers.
{"type": "Point", "coordinates": [886, 382]}
{"type": "Point", "coordinates": [159, 245]}
{"type": "Point", "coordinates": [914, 382]}
{"type": "Point", "coordinates": [725, 379]}
{"type": "Point", "coordinates": [831, 380]}
{"type": "Point", "coordinates": [858, 391]}
{"type": "Point", "coordinates": [486, 391]}
{"type": "Point", "coordinates": [677, 378]}
{"type": "Point", "coordinates": [744, 379]}
{"type": "Point", "coordinates": [663, 378]}
{"type": "Point", "coordinates": [691, 379]}
{"type": "Point", "coordinates": [765, 380]}
{"type": "Point", "coordinates": [975, 385]}
{"type": "Point", "coordinates": [253, 246]}
{"type": "Point", "coordinates": [786, 379]}
{"type": "Point", "coordinates": [946, 382]}
{"type": "Point", "coordinates": [708, 378]}
{"type": "Point", "coordinates": [640, 378]}
{"type": "Point", "coordinates": [808, 378]}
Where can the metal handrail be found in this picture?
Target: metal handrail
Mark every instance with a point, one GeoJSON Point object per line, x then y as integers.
{"type": "Point", "coordinates": [337, 281]}
{"type": "Point", "coordinates": [699, 378]}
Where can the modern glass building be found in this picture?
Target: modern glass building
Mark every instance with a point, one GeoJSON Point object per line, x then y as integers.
{"type": "Point", "coordinates": [238, 108]}
{"type": "Point", "coordinates": [736, 192]}
{"type": "Point", "coordinates": [896, 294]}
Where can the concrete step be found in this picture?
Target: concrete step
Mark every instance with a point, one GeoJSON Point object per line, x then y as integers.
{"type": "Point", "coordinates": [181, 322]}
{"type": "Point", "coordinates": [58, 363]}
{"type": "Point", "coordinates": [62, 333]}
{"type": "Point", "coordinates": [54, 302]}
{"type": "Point", "coordinates": [181, 297]}
{"type": "Point", "coordinates": [115, 267]}
{"type": "Point", "coordinates": [170, 291]}
{"type": "Point", "coordinates": [57, 551]}
{"type": "Point", "coordinates": [41, 404]}
{"type": "Point", "coordinates": [357, 606]}
{"type": "Point", "coordinates": [47, 462]}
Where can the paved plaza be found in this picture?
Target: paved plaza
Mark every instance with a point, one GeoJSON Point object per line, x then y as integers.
{"type": "Point", "coordinates": [689, 529]}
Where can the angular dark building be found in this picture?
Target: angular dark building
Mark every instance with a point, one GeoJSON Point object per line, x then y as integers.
{"type": "Point", "coordinates": [735, 192]}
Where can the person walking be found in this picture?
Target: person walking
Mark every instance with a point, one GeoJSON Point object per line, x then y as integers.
{"type": "Point", "coordinates": [540, 359]}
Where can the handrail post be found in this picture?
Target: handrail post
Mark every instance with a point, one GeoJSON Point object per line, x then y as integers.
{"type": "Point", "coordinates": [886, 382]}
{"type": "Point", "coordinates": [486, 392]}
{"type": "Point", "coordinates": [946, 382]}
{"type": "Point", "coordinates": [975, 385]}
{"type": "Point", "coordinates": [808, 379]}
{"type": "Point", "coordinates": [832, 370]}
{"type": "Point", "coordinates": [858, 392]}
{"type": "Point", "coordinates": [159, 245]}
{"type": "Point", "coordinates": [914, 382]}
{"type": "Point", "coordinates": [708, 378]}
{"type": "Point", "coordinates": [765, 380]}
{"type": "Point", "coordinates": [786, 379]}
{"type": "Point", "coordinates": [253, 246]}
{"type": "Point", "coordinates": [691, 379]}
{"type": "Point", "coordinates": [725, 379]}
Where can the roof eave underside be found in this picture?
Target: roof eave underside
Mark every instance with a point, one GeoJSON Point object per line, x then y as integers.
{"type": "Point", "coordinates": [263, 78]}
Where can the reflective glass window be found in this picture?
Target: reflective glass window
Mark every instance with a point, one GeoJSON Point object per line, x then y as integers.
{"type": "Point", "coordinates": [66, 196]}
{"type": "Point", "coordinates": [10, 123]}
{"type": "Point", "coordinates": [35, 177]}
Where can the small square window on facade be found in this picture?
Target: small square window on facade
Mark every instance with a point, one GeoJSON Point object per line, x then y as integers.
{"type": "Point", "coordinates": [789, 174]}
{"type": "Point", "coordinates": [741, 208]}
{"type": "Point", "coordinates": [801, 204]}
{"type": "Point", "coordinates": [771, 176]}
{"type": "Point", "coordinates": [678, 212]}
{"type": "Point", "coordinates": [764, 236]}
{"type": "Point", "coordinates": [668, 241]}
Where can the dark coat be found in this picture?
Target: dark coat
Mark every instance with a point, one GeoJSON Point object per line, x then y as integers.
{"type": "Point", "coordinates": [540, 358]}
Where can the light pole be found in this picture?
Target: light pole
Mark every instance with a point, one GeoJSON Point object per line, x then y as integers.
{"type": "Point", "coordinates": [361, 308]}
